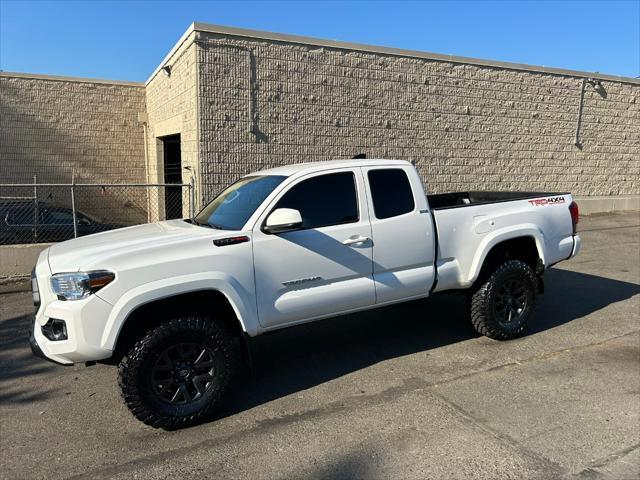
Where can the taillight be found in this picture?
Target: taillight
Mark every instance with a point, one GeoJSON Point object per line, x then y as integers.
{"type": "Point", "coordinates": [575, 216]}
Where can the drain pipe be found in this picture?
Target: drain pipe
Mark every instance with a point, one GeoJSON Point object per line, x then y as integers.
{"type": "Point", "coordinates": [597, 86]}
{"type": "Point", "coordinates": [579, 120]}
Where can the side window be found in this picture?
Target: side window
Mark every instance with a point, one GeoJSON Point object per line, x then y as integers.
{"type": "Point", "coordinates": [19, 216]}
{"type": "Point", "coordinates": [391, 192]}
{"type": "Point", "coordinates": [57, 217]}
{"type": "Point", "coordinates": [324, 200]}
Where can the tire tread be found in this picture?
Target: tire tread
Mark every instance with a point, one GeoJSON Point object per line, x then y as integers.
{"type": "Point", "coordinates": [480, 298]}
{"type": "Point", "coordinates": [131, 363]}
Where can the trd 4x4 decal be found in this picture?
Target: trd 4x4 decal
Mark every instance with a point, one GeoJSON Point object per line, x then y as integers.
{"type": "Point", "coordinates": [541, 202]}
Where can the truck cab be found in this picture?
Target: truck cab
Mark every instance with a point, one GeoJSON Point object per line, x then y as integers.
{"type": "Point", "coordinates": [343, 253]}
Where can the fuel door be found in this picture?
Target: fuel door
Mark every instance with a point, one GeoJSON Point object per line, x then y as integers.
{"type": "Point", "coordinates": [482, 224]}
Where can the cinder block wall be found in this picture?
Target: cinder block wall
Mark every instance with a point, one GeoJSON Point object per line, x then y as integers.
{"type": "Point", "coordinates": [53, 127]}
{"type": "Point", "coordinates": [172, 108]}
{"type": "Point", "coordinates": [266, 103]}
{"type": "Point", "coordinates": [50, 126]}
{"type": "Point", "coordinates": [242, 103]}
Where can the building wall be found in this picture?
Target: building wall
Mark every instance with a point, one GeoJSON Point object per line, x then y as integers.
{"type": "Point", "coordinates": [172, 109]}
{"type": "Point", "coordinates": [55, 127]}
{"type": "Point", "coordinates": [241, 103]}
{"type": "Point", "coordinates": [467, 127]}
{"type": "Point", "coordinates": [51, 127]}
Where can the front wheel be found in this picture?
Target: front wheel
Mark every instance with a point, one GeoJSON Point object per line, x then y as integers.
{"type": "Point", "coordinates": [502, 306]}
{"type": "Point", "coordinates": [177, 374]}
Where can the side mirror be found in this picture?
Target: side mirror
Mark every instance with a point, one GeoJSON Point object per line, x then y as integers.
{"type": "Point", "coordinates": [283, 220]}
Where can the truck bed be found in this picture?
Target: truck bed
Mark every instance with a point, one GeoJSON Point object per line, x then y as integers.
{"type": "Point", "coordinates": [463, 232]}
{"type": "Point", "coordinates": [463, 199]}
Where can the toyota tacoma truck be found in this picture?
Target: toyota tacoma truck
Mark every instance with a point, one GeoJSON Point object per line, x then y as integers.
{"type": "Point", "coordinates": [176, 303]}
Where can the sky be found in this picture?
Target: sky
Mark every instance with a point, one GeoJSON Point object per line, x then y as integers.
{"type": "Point", "coordinates": [126, 40]}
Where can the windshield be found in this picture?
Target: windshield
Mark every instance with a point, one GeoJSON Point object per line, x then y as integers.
{"type": "Point", "coordinates": [232, 208]}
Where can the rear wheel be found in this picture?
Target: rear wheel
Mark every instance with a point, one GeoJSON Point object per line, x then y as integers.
{"type": "Point", "coordinates": [503, 304]}
{"type": "Point", "coordinates": [177, 374]}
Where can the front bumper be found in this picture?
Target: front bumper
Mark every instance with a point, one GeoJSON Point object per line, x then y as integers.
{"type": "Point", "coordinates": [85, 321]}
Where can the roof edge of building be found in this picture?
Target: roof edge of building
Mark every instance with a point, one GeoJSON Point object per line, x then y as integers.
{"type": "Point", "coordinates": [60, 78]}
{"type": "Point", "coordinates": [318, 42]}
{"type": "Point", "coordinates": [172, 52]}
{"type": "Point", "coordinates": [287, 38]}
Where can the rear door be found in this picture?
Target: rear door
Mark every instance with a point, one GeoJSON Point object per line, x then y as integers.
{"type": "Point", "coordinates": [326, 267]}
{"type": "Point", "coordinates": [402, 230]}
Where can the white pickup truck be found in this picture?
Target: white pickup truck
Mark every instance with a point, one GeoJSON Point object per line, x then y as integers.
{"type": "Point", "coordinates": [175, 303]}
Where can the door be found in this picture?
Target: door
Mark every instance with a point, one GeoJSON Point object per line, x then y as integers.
{"type": "Point", "coordinates": [172, 174]}
{"type": "Point", "coordinates": [404, 253]}
{"type": "Point", "coordinates": [325, 268]}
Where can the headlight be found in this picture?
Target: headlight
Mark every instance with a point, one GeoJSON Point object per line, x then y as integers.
{"type": "Point", "coordinates": [78, 285]}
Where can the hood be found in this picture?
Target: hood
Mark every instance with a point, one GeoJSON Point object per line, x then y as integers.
{"type": "Point", "coordinates": [90, 250]}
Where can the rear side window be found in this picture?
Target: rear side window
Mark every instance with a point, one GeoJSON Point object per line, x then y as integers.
{"type": "Point", "coordinates": [391, 192]}
{"type": "Point", "coordinates": [57, 217]}
{"type": "Point", "coordinates": [324, 200]}
{"type": "Point", "coordinates": [19, 216]}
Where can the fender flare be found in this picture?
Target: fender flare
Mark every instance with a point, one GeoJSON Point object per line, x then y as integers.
{"type": "Point", "coordinates": [233, 291]}
{"type": "Point", "coordinates": [499, 236]}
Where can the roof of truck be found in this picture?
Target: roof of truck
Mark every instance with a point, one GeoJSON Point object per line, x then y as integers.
{"type": "Point", "coordinates": [289, 170]}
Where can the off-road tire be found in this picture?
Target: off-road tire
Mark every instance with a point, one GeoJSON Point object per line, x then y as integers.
{"type": "Point", "coordinates": [135, 371]}
{"type": "Point", "coordinates": [483, 301]}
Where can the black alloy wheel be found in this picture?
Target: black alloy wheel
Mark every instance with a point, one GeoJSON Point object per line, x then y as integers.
{"type": "Point", "coordinates": [511, 302]}
{"type": "Point", "coordinates": [177, 374]}
{"type": "Point", "coordinates": [501, 306]}
{"type": "Point", "coordinates": [183, 373]}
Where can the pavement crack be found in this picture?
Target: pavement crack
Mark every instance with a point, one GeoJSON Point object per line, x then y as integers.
{"type": "Point", "coordinates": [551, 468]}
{"type": "Point", "coordinates": [534, 358]}
{"type": "Point", "coordinates": [591, 470]}
{"type": "Point", "coordinates": [409, 385]}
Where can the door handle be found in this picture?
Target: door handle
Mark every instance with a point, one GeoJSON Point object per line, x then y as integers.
{"type": "Point", "coordinates": [356, 240]}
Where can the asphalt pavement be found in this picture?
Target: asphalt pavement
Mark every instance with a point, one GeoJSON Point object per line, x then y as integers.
{"type": "Point", "coordinates": [408, 391]}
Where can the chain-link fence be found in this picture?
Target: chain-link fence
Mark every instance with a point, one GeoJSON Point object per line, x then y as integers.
{"type": "Point", "coordinates": [53, 212]}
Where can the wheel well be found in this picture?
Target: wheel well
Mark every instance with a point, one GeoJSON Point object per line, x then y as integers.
{"type": "Point", "coordinates": [146, 316]}
{"type": "Point", "coordinates": [521, 248]}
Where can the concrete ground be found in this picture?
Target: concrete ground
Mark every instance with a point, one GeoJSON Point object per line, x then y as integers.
{"type": "Point", "coordinates": [405, 392]}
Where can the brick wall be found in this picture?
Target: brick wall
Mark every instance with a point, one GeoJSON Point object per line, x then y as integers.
{"type": "Point", "coordinates": [266, 103]}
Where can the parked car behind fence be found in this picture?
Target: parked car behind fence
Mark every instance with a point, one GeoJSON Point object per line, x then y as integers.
{"type": "Point", "coordinates": [25, 221]}
{"type": "Point", "coordinates": [45, 213]}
